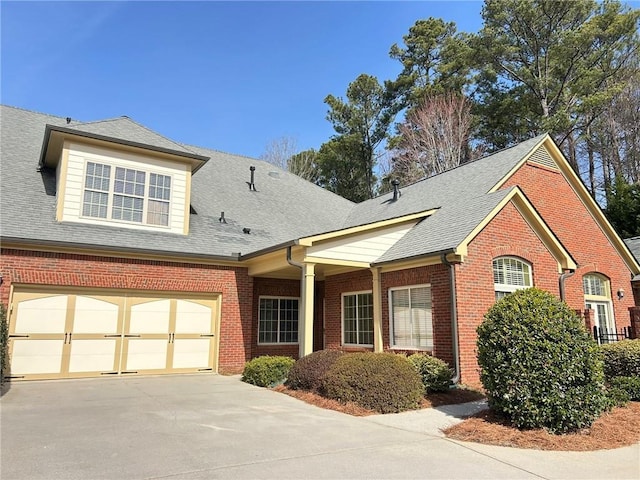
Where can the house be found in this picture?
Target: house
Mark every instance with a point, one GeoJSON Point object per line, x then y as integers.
{"type": "Point", "coordinates": [126, 253]}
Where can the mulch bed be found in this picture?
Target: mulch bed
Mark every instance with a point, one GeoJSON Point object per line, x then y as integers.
{"type": "Point", "coordinates": [617, 428]}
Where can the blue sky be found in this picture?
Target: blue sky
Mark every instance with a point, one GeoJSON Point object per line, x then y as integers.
{"type": "Point", "coordinates": [228, 76]}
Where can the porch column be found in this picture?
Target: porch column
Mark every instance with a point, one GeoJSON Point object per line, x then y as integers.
{"type": "Point", "coordinates": [305, 325]}
{"type": "Point", "coordinates": [377, 310]}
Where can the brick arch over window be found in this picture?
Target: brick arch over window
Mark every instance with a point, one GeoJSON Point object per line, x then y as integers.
{"type": "Point", "coordinates": [510, 274]}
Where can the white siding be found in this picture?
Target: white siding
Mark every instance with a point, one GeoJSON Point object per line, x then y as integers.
{"type": "Point", "coordinates": [364, 247]}
{"type": "Point", "coordinates": [79, 155]}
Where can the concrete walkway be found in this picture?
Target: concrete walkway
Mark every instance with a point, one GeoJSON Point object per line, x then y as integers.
{"type": "Point", "coordinates": [209, 426]}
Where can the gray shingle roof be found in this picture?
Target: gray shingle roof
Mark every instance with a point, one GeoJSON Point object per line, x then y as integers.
{"type": "Point", "coordinates": [452, 187]}
{"type": "Point", "coordinates": [633, 244]}
{"type": "Point", "coordinates": [283, 208]}
{"type": "Point", "coordinates": [447, 228]}
{"type": "Point", "coordinates": [126, 129]}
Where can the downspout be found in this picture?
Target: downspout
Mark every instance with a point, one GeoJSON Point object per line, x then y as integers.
{"type": "Point", "coordinates": [454, 318]}
{"type": "Point", "coordinates": [566, 274]}
{"type": "Point", "coordinates": [292, 262]}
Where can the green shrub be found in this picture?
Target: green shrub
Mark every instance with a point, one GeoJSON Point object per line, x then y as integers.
{"type": "Point", "coordinates": [621, 359]}
{"type": "Point", "coordinates": [630, 385]}
{"type": "Point", "coordinates": [383, 382]}
{"type": "Point", "coordinates": [617, 397]}
{"type": "Point", "coordinates": [4, 341]}
{"type": "Point", "coordinates": [436, 374]}
{"type": "Point", "coordinates": [267, 371]}
{"type": "Point", "coordinates": [539, 365]}
{"type": "Point", "coordinates": [308, 372]}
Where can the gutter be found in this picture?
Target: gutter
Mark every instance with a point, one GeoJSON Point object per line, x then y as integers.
{"type": "Point", "coordinates": [454, 316]}
{"type": "Point", "coordinates": [6, 243]}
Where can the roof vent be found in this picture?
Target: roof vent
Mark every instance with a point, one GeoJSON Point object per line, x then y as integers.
{"type": "Point", "coordinates": [252, 185]}
{"type": "Point", "coordinates": [246, 230]}
{"type": "Point", "coordinates": [68, 120]}
{"type": "Point", "coordinates": [396, 189]}
{"type": "Point", "coordinates": [222, 219]}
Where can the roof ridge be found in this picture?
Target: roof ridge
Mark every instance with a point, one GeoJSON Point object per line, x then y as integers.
{"type": "Point", "coordinates": [460, 166]}
{"type": "Point", "coordinates": [33, 111]}
{"type": "Point", "coordinates": [189, 145]}
{"type": "Point", "coordinates": [126, 117]}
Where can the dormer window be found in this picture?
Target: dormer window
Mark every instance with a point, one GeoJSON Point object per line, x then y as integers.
{"type": "Point", "coordinates": [126, 194]}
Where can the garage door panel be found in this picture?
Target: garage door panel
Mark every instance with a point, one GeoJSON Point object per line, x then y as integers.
{"type": "Point", "coordinates": [42, 315]}
{"type": "Point", "coordinates": [192, 317]}
{"type": "Point", "coordinates": [93, 315]}
{"type": "Point", "coordinates": [191, 353]}
{"type": "Point", "coordinates": [36, 356]}
{"type": "Point", "coordinates": [146, 354]}
{"type": "Point", "coordinates": [150, 317]}
{"type": "Point", "coordinates": [93, 355]}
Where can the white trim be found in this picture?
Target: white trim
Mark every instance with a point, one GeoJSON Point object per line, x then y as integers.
{"type": "Point", "coordinates": [276, 297]}
{"type": "Point", "coordinates": [342, 340]}
{"type": "Point", "coordinates": [392, 345]}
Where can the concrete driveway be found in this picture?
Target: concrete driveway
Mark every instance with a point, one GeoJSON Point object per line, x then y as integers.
{"type": "Point", "coordinates": [209, 426]}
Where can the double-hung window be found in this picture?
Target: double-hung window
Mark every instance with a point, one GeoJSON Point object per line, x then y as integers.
{"type": "Point", "coordinates": [126, 194]}
{"type": "Point", "coordinates": [510, 274]}
{"type": "Point", "coordinates": [410, 316]}
{"type": "Point", "coordinates": [278, 320]}
{"type": "Point", "coordinates": [357, 319]}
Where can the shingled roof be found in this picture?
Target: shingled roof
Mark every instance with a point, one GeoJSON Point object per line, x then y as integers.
{"type": "Point", "coordinates": [284, 207]}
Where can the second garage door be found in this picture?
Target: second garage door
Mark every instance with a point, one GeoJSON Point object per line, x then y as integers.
{"type": "Point", "coordinates": [63, 335]}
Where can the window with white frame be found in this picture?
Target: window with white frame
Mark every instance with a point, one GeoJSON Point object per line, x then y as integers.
{"type": "Point", "coordinates": [597, 297]}
{"type": "Point", "coordinates": [125, 194]}
{"type": "Point", "coordinates": [278, 320]}
{"type": "Point", "coordinates": [357, 318]}
{"type": "Point", "coordinates": [410, 317]}
{"type": "Point", "coordinates": [510, 274]}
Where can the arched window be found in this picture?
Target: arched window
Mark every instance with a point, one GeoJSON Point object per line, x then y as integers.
{"type": "Point", "coordinates": [597, 297]}
{"type": "Point", "coordinates": [510, 274]}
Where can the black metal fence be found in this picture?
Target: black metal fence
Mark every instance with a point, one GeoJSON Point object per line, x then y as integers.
{"type": "Point", "coordinates": [604, 335]}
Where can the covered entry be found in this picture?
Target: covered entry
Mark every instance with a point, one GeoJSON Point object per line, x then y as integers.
{"type": "Point", "coordinates": [58, 333]}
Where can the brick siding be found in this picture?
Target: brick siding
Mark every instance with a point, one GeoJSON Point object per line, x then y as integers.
{"type": "Point", "coordinates": [237, 328]}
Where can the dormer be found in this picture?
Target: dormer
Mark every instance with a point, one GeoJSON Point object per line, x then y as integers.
{"type": "Point", "coordinates": [118, 173]}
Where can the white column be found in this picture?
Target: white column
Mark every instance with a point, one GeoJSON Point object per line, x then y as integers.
{"type": "Point", "coordinates": [377, 310]}
{"type": "Point", "coordinates": [305, 324]}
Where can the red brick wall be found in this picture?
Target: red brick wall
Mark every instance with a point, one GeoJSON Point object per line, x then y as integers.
{"type": "Point", "coordinates": [275, 288]}
{"type": "Point", "coordinates": [562, 209]}
{"type": "Point", "coordinates": [236, 324]}
{"type": "Point", "coordinates": [334, 286]}
{"type": "Point", "coordinates": [508, 234]}
{"type": "Point", "coordinates": [438, 277]}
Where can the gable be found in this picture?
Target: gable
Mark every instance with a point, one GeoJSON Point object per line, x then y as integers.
{"type": "Point", "coordinates": [560, 196]}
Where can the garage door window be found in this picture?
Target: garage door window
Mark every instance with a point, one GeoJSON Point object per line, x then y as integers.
{"type": "Point", "coordinates": [278, 320]}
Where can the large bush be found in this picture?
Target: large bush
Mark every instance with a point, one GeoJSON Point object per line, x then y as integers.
{"type": "Point", "coordinates": [383, 382]}
{"type": "Point", "coordinates": [436, 374]}
{"type": "Point", "coordinates": [267, 371]}
{"type": "Point", "coordinates": [308, 372]}
{"type": "Point", "coordinates": [629, 385]}
{"type": "Point", "coordinates": [539, 365]}
{"type": "Point", "coordinates": [621, 359]}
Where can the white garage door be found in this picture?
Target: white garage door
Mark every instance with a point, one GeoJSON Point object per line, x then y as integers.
{"type": "Point", "coordinates": [56, 334]}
